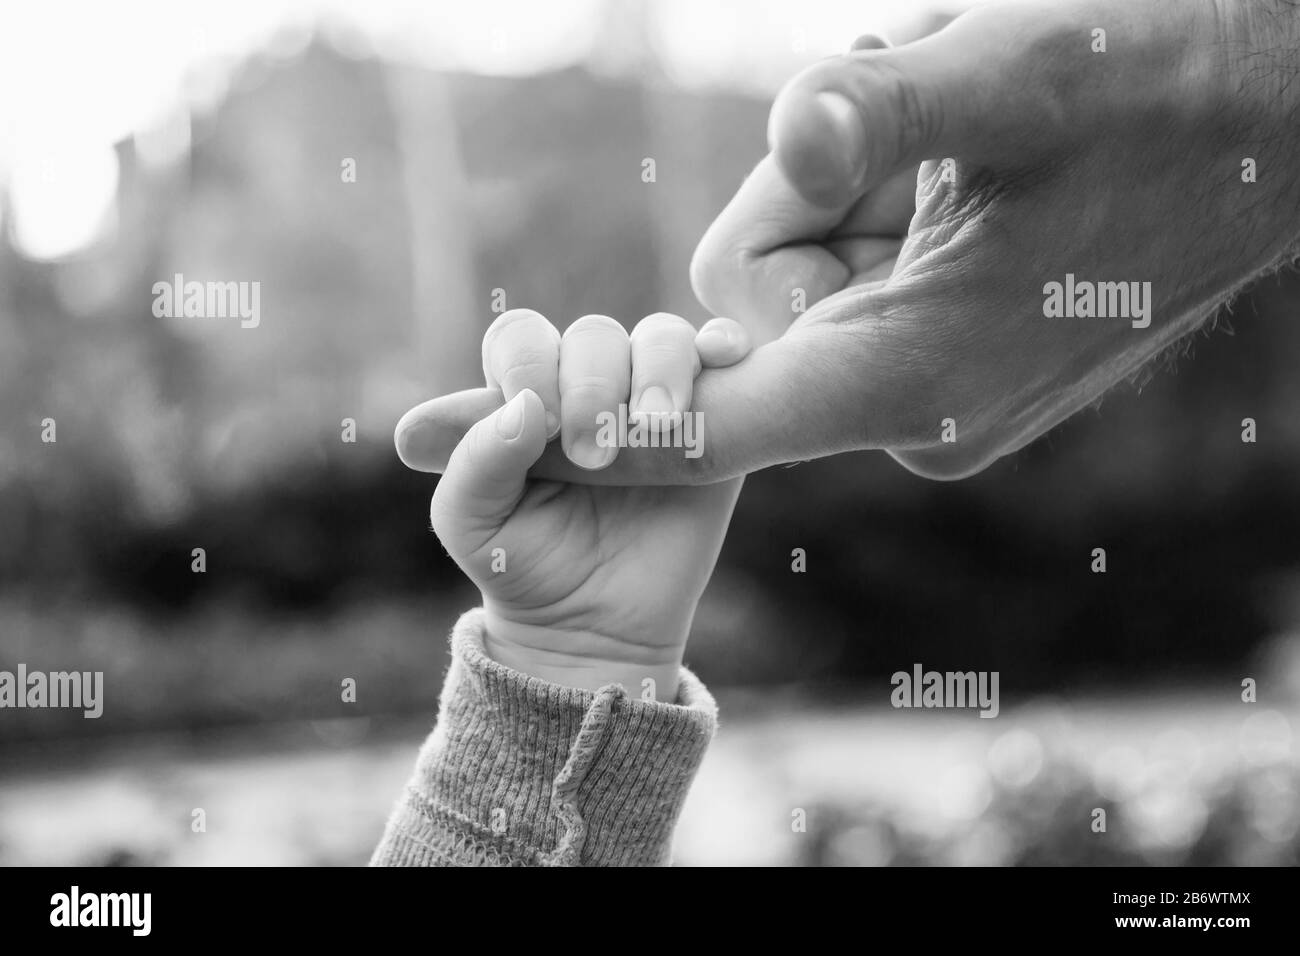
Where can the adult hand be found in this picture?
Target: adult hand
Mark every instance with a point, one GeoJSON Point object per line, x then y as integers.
{"type": "Point", "coordinates": [922, 200]}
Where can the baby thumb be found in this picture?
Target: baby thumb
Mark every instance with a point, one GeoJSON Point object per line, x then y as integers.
{"type": "Point", "coordinates": [485, 475]}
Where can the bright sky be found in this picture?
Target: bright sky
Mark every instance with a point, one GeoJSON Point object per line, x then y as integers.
{"type": "Point", "coordinates": [78, 75]}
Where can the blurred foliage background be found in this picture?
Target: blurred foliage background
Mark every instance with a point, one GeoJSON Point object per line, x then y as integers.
{"type": "Point", "coordinates": [223, 687]}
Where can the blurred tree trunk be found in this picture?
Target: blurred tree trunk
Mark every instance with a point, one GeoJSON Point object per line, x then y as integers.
{"type": "Point", "coordinates": [449, 309]}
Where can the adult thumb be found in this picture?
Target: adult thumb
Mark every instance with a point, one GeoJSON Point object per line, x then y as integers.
{"type": "Point", "coordinates": [847, 123]}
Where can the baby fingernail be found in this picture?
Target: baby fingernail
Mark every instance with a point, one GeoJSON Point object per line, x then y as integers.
{"type": "Point", "coordinates": [510, 420]}
{"type": "Point", "coordinates": [715, 338]}
{"type": "Point", "coordinates": [552, 425]}
{"type": "Point", "coordinates": [654, 401]}
{"type": "Point", "coordinates": [585, 452]}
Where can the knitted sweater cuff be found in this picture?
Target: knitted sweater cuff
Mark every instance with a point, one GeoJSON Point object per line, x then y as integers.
{"type": "Point", "coordinates": [522, 772]}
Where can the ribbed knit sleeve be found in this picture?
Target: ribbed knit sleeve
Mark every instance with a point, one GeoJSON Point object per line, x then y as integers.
{"type": "Point", "coordinates": [522, 772]}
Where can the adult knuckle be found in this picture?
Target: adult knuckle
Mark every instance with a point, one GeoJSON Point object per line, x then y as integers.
{"type": "Point", "coordinates": [946, 462]}
{"type": "Point", "coordinates": [915, 117]}
{"type": "Point", "coordinates": [701, 274]}
{"type": "Point", "coordinates": [716, 272]}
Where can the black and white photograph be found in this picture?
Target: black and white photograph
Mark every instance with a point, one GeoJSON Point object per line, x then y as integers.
{"type": "Point", "coordinates": [647, 433]}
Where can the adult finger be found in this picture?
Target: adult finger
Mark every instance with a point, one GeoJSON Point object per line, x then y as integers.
{"type": "Point", "coordinates": [814, 392]}
{"type": "Point", "coordinates": [762, 261]}
{"type": "Point", "coordinates": [722, 342]}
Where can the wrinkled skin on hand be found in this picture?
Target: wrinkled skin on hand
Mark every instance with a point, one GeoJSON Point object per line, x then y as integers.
{"type": "Point", "coordinates": [924, 279]}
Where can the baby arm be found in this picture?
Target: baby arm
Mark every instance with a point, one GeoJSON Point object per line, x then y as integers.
{"type": "Point", "coordinates": [568, 731]}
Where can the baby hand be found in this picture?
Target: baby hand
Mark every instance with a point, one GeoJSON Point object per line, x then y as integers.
{"type": "Point", "coordinates": [586, 585]}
